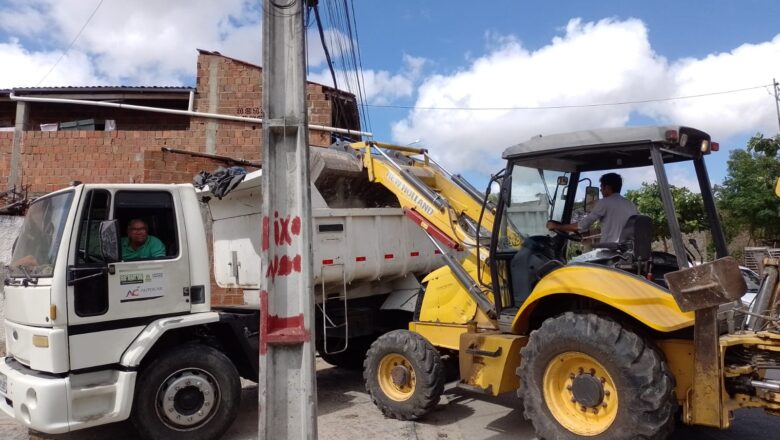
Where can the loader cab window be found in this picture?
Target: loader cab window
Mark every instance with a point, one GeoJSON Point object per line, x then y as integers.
{"type": "Point", "coordinates": [147, 225]}
{"type": "Point", "coordinates": [536, 196]}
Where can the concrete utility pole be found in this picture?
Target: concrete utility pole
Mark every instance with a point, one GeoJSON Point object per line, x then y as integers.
{"type": "Point", "coordinates": [287, 383]}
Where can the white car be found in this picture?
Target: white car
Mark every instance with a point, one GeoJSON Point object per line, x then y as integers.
{"type": "Point", "coordinates": [753, 281]}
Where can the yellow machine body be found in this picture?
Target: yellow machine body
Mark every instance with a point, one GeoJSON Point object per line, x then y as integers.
{"type": "Point", "coordinates": [630, 294]}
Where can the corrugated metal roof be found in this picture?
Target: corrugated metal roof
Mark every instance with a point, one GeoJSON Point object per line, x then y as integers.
{"type": "Point", "coordinates": [102, 89]}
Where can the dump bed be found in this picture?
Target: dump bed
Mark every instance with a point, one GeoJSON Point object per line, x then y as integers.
{"type": "Point", "coordinates": [359, 230]}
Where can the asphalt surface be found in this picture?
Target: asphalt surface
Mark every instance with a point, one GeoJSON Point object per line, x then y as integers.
{"type": "Point", "coordinates": [346, 412]}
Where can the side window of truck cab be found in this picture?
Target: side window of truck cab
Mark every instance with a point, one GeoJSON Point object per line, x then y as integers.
{"type": "Point", "coordinates": [147, 225]}
{"type": "Point", "coordinates": [90, 294]}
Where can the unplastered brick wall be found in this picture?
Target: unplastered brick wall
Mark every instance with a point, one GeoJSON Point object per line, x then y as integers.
{"type": "Point", "coordinates": [6, 139]}
{"type": "Point", "coordinates": [234, 87]}
{"type": "Point", "coordinates": [125, 119]}
{"type": "Point", "coordinates": [182, 168]}
{"type": "Point", "coordinates": [51, 160]}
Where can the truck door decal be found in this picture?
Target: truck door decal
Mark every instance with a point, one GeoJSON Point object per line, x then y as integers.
{"type": "Point", "coordinates": [141, 285]}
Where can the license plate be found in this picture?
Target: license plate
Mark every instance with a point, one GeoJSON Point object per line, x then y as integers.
{"type": "Point", "coordinates": [3, 382]}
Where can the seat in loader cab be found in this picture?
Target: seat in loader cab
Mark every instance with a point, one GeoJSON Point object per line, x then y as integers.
{"type": "Point", "coordinates": [536, 257]}
{"type": "Point", "coordinates": [634, 245]}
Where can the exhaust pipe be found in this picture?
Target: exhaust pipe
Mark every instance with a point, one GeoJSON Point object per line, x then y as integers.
{"type": "Point", "coordinates": [766, 296]}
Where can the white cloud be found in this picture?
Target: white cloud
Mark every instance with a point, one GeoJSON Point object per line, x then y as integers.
{"type": "Point", "coordinates": [143, 42]}
{"type": "Point", "coordinates": [381, 87]}
{"type": "Point", "coordinates": [22, 18]}
{"type": "Point", "coordinates": [597, 62]}
{"type": "Point", "coordinates": [728, 114]}
{"type": "Point", "coordinates": [74, 68]}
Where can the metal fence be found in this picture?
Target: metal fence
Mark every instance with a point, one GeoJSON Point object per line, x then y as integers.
{"type": "Point", "coordinates": [752, 255]}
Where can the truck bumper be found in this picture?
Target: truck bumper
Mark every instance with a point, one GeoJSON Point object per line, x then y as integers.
{"type": "Point", "coordinates": [56, 405]}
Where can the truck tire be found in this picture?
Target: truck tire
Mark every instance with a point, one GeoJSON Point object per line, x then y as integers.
{"type": "Point", "coordinates": [189, 393]}
{"type": "Point", "coordinates": [404, 375]}
{"type": "Point", "coordinates": [352, 358]}
{"type": "Point", "coordinates": [585, 376]}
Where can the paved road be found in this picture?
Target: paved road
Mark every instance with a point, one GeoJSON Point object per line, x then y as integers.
{"type": "Point", "coordinates": [346, 412]}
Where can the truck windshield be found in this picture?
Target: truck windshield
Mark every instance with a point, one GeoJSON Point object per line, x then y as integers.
{"type": "Point", "coordinates": [36, 248]}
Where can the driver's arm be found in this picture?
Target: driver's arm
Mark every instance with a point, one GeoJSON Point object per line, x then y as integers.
{"type": "Point", "coordinates": [598, 213]}
{"type": "Point", "coordinates": [552, 225]}
{"type": "Point", "coordinates": [27, 260]}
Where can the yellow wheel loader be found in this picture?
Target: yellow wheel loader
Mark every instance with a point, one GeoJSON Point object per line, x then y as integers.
{"type": "Point", "coordinates": [616, 342]}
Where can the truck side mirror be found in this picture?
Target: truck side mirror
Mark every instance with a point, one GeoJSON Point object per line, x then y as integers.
{"type": "Point", "coordinates": [109, 240]}
{"type": "Point", "coordinates": [591, 196]}
{"type": "Point", "coordinates": [563, 180]}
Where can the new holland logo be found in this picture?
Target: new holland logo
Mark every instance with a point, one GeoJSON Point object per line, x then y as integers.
{"type": "Point", "coordinates": [412, 194]}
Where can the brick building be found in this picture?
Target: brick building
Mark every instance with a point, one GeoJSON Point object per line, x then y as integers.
{"type": "Point", "coordinates": [43, 161]}
{"type": "Point", "coordinates": [48, 160]}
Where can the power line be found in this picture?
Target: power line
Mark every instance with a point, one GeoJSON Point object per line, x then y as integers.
{"type": "Point", "coordinates": [555, 107]}
{"type": "Point", "coordinates": [71, 42]}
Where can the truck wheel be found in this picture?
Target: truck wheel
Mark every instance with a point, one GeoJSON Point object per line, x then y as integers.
{"type": "Point", "coordinates": [583, 376]}
{"type": "Point", "coordinates": [404, 375]}
{"type": "Point", "coordinates": [192, 392]}
{"type": "Point", "coordinates": [352, 358]}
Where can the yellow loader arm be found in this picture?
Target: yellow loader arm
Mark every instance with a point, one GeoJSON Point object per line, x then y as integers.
{"type": "Point", "coordinates": [444, 205]}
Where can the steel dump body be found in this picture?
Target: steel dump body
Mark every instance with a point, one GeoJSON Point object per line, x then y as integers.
{"type": "Point", "coordinates": [360, 233]}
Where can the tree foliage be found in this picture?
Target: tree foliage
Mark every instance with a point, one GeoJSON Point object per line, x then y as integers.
{"type": "Point", "coordinates": [687, 204]}
{"type": "Point", "coordinates": [747, 198]}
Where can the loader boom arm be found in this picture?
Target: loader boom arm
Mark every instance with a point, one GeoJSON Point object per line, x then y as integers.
{"type": "Point", "coordinates": [445, 206]}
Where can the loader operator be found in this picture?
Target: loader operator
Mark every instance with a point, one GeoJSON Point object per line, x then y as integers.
{"type": "Point", "coordinates": [139, 244]}
{"type": "Point", "coordinates": [612, 211]}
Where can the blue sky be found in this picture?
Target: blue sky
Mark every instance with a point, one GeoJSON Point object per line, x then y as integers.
{"type": "Point", "coordinates": [428, 53]}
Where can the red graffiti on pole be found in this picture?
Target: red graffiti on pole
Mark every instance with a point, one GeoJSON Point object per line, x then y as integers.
{"type": "Point", "coordinates": [284, 230]}
{"type": "Point", "coordinates": [283, 266]}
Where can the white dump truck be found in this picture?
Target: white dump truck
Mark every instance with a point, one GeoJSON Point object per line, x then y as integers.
{"type": "Point", "coordinates": [94, 337]}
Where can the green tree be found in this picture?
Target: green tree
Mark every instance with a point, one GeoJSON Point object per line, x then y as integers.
{"type": "Point", "coordinates": [687, 204]}
{"type": "Point", "coordinates": [747, 198]}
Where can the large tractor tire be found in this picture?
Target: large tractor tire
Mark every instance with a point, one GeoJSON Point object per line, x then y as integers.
{"type": "Point", "coordinates": [404, 375]}
{"type": "Point", "coordinates": [190, 393]}
{"type": "Point", "coordinates": [584, 376]}
{"type": "Point", "coordinates": [353, 357]}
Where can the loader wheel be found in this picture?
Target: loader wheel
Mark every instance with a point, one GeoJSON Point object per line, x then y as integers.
{"type": "Point", "coordinates": [584, 376]}
{"type": "Point", "coordinates": [189, 393]}
{"type": "Point", "coordinates": [352, 358]}
{"type": "Point", "coordinates": [404, 375]}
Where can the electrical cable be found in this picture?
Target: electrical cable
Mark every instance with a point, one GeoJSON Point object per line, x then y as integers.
{"type": "Point", "coordinates": [558, 107]}
{"type": "Point", "coordinates": [73, 41]}
{"type": "Point", "coordinates": [325, 46]}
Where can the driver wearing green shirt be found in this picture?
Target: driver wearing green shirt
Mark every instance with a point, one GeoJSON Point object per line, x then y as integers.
{"type": "Point", "coordinates": [139, 244]}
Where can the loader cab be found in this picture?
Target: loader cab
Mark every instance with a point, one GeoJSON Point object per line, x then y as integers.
{"type": "Point", "coordinates": [555, 178]}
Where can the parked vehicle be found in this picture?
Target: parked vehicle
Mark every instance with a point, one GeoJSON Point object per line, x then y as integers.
{"type": "Point", "coordinates": [610, 347]}
{"type": "Point", "coordinates": [94, 337]}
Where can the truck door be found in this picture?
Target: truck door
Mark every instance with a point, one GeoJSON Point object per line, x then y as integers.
{"type": "Point", "coordinates": [110, 303]}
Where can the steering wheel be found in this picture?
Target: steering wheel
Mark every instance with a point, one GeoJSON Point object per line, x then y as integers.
{"type": "Point", "coordinates": [573, 236]}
